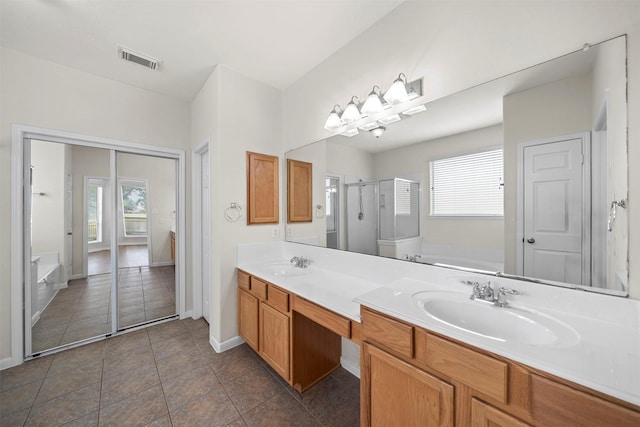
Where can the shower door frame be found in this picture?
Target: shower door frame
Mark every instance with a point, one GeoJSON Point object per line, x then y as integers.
{"type": "Point", "coordinates": [20, 271]}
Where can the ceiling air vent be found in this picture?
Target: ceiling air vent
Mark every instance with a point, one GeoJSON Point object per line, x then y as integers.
{"type": "Point", "coordinates": [138, 58]}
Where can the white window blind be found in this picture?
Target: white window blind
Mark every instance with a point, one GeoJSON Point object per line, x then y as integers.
{"type": "Point", "coordinates": [469, 185]}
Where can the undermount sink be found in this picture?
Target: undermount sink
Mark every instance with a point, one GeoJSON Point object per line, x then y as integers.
{"type": "Point", "coordinates": [505, 324]}
{"type": "Point", "coordinates": [286, 269]}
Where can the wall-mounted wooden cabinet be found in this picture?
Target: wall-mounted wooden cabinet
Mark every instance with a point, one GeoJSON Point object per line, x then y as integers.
{"type": "Point", "coordinates": [299, 191]}
{"type": "Point", "coordinates": [262, 189]}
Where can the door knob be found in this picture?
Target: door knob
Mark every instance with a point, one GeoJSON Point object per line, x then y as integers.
{"type": "Point", "coordinates": [531, 240]}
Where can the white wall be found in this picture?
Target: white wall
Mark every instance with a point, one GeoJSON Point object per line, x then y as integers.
{"type": "Point", "coordinates": [40, 93]}
{"type": "Point", "coordinates": [47, 213]}
{"type": "Point", "coordinates": [556, 109]}
{"type": "Point", "coordinates": [413, 161]}
{"type": "Point", "coordinates": [456, 45]}
{"type": "Point", "coordinates": [236, 114]}
{"type": "Point", "coordinates": [609, 77]}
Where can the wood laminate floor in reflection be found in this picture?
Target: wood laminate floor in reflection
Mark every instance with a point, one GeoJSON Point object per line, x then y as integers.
{"type": "Point", "coordinates": [168, 375]}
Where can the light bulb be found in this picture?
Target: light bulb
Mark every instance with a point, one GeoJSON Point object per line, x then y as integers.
{"type": "Point", "coordinates": [351, 112]}
{"type": "Point", "coordinates": [397, 93]}
{"type": "Point", "coordinates": [333, 121]}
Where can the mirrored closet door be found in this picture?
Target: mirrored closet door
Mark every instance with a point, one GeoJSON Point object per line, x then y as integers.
{"type": "Point", "coordinates": [99, 242]}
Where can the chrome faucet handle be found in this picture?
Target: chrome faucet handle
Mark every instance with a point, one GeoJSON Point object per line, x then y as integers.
{"type": "Point", "coordinates": [501, 301]}
{"type": "Point", "coordinates": [476, 292]}
{"type": "Point", "coordinates": [486, 291]}
{"type": "Point", "coordinates": [294, 260]}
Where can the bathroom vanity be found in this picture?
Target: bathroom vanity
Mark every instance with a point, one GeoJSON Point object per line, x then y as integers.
{"type": "Point", "coordinates": [298, 338]}
{"type": "Point", "coordinates": [432, 356]}
{"type": "Point", "coordinates": [413, 376]}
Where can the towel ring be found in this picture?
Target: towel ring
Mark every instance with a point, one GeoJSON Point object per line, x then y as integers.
{"type": "Point", "coordinates": [233, 212]}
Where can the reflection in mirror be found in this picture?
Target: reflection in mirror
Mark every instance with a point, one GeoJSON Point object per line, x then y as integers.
{"type": "Point", "coordinates": [72, 211]}
{"type": "Point", "coordinates": [68, 305]}
{"type": "Point", "coordinates": [146, 229]}
{"type": "Point", "coordinates": [552, 208]}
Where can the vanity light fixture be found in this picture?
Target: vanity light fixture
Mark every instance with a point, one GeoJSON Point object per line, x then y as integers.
{"type": "Point", "coordinates": [374, 103]}
{"type": "Point", "coordinates": [378, 131]}
{"type": "Point", "coordinates": [351, 112]}
{"type": "Point", "coordinates": [390, 119]}
{"type": "Point", "coordinates": [369, 126]}
{"type": "Point", "coordinates": [378, 109]}
{"type": "Point", "coordinates": [334, 122]}
{"type": "Point", "coordinates": [398, 92]}
{"type": "Point", "coordinates": [350, 132]}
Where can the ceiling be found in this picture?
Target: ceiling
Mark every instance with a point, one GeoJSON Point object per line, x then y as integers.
{"type": "Point", "coordinates": [275, 42]}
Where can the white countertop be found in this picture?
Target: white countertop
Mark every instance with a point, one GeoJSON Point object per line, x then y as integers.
{"type": "Point", "coordinates": [332, 290]}
{"type": "Point", "coordinates": [605, 356]}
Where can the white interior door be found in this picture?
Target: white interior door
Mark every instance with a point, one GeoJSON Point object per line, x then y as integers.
{"type": "Point", "coordinates": [553, 210]}
{"type": "Point", "coordinates": [205, 216]}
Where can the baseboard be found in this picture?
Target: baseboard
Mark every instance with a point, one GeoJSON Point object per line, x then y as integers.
{"type": "Point", "coordinates": [162, 264]}
{"type": "Point", "coordinates": [350, 366]}
{"type": "Point", "coordinates": [8, 362]}
{"type": "Point", "coordinates": [220, 347]}
{"type": "Point", "coordinates": [187, 314]}
{"type": "Point", "coordinates": [35, 318]}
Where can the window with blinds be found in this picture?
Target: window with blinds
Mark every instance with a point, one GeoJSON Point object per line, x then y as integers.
{"type": "Point", "coordinates": [469, 185]}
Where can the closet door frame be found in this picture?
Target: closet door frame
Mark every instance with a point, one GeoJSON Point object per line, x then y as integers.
{"type": "Point", "coordinates": [20, 273]}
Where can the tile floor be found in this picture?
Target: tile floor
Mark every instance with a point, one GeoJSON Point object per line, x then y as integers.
{"type": "Point", "coordinates": [167, 375]}
{"type": "Point", "coordinates": [83, 309]}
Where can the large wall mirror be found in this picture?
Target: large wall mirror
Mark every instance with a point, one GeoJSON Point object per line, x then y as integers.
{"type": "Point", "coordinates": [524, 175]}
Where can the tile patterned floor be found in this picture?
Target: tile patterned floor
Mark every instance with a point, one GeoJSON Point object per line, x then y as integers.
{"type": "Point", "coordinates": [83, 310]}
{"type": "Point", "coordinates": [167, 375]}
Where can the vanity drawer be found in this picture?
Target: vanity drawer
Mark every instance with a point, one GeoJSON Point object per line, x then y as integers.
{"type": "Point", "coordinates": [322, 316]}
{"type": "Point", "coordinates": [394, 335]}
{"type": "Point", "coordinates": [278, 299]}
{"type": "Point", "coordinates": [258, 288]}
{"type": "Point", "coordinates": [554, 403]}
{"type": "Point", "coordinates": [244, 280]}
{"type": "Point", "coordinates": [482, 373]}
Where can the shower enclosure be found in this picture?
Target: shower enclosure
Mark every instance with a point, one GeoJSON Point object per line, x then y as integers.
{"type": "Point", "coordinates": [387, 209]}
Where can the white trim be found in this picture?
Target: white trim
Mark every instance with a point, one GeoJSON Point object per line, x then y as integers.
{"type": "Point", "coordinates": [220, 347]}
{"type": "Point", "coordinates": [19, 133]}
{"type": "Point", "coordinates": [17, 238]}
{"type": "Point", "coordinates": [161, 263]}
{"type": "Point", "coordinates": [196, 205]}
{"type": "Point", "coordinates": [187, 314]}
{"type": "Point", "coordinates": [350, 366]}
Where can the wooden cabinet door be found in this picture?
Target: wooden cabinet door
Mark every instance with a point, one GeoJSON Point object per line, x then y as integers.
{"type": "Point", "coordinates": [262, 189]}
{"type": "Point", "coordinates": [275, 339]}
{"type": "Point", "coordinates": [299, 191]}
{"type": "Point", "coordinates": [483, 415]}
{"type": "Point", "coordinates": [248, 318]}
{"type": "Point", "coordinates": [394, 393]}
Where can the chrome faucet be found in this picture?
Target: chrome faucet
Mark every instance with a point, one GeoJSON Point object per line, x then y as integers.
{"type": "Point", "coordinates": [485, 293]}
{"type": "Point", "coordinates": [300, 262]}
